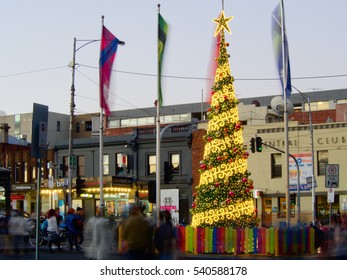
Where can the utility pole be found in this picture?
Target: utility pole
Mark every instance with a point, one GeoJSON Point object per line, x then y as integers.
{"type": "Point", "coordinates": [72, 109]}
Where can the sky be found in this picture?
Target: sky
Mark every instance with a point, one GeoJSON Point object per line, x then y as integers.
{"type": "Point", "coordinates": [37, 46]}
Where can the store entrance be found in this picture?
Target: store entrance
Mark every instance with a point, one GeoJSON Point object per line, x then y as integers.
{"type": "Point", "coordinates": [323, 208]}
{"type": "Point", "coordinates": [267, 212]}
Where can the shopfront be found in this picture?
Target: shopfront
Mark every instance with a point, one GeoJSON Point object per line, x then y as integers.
{"type": "Point", "coordinates": [119, 194]}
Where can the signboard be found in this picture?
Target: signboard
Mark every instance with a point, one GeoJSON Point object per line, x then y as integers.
{"type": "Point", "coordinates": [170, 202]}
{"type": "Point", "coordinates": [73, 161]}
{"type": "Point", "coordinates": [309, 182]}
{"type": "Point", "coordinates": [331, 194]}
{"type": "Point", "coordinates": [17, 197]}
{"type": "Point", "coordinates": [331, 175]}
{"type": "Point", "coordinates": [305, 170]}
{"type": "Point", "coordinates": [40, 115]}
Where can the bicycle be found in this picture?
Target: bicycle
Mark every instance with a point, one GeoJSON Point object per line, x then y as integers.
{"type": "Point", "coordinates": [43, 237]}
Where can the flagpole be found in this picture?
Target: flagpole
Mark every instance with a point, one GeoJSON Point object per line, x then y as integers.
{"type": "Point", "coordinates": [284, 73]}
{"type": "Point", "coordinates": [101, 152]}
{"type": "Point", "coordinates": [157, 172]}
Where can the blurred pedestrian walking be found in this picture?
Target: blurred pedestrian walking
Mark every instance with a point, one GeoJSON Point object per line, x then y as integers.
{"type": "Point", "coordinates": [79, 221]}
{"type": "Point", "coordinates": [72, 231]}
{"type": "Point", "coordinates": [17, 228]}
{"type": "Point", "coordinates": [98, 238]}
{"type": "Point", "coordinates": [137, 234]}
{"type": "Point", "coordinates": [165, 237]}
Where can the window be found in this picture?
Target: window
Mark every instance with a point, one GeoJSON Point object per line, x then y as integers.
{"type": "Point", "coordinates": [81, 166]}
{"type": "Point", "coordinates": [58, 125]}
{"type": "Point", "coordinates": [65, 167]}
{"type": "Point", "coordinates": [121, 164]}
{"type": "Point", "coordinates": [106, 168]}
{"type": "Point", "coordinates": [17, 125]}
{"type": "Point", "coordinates": [16, 172]}
{"type": "Point", "coordinates": [88, 125]}
{"type": "Point", "coordinates": [282, 213]}
{"type": "Point", "coordinates": [322, 159]}
{"type": "Point", "coordinates": [317, 106]}
{"type": "Point", "coordinates": [276, 165]}
{"type": "Point", "coordinates": [33, 172]}
{"type": "Point", "coordinates": [78, 127]}
{"type": "Point", "coordinates": [151, 164]}
{"type": "Point", "coordinates": [175, 161]}
{"type": "Point", "coordinates": [25, 172]}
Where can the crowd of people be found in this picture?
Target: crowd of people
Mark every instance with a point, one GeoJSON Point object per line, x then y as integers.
{"type": "Point", "coordinates": [54, 226]}
{"type": "Point", "coordinates": [136, 236]}
{"type": "Point", "coordinates": [143, 239]}
{"type": "Point", "coordinates": [331, 236]}
{"type": "Point", "coordinates": [98, 236]}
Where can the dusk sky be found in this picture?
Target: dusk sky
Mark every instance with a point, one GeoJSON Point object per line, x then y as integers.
{"type": "Point", "coordinates": [37, 46]}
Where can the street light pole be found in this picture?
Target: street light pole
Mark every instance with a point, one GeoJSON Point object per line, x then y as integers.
{"type": "Point", "coordinates": [307, 100]}
{"type": "Point", "coordinates": [72, 108]}
{"type": "Point", "coordinates": [71, 163]}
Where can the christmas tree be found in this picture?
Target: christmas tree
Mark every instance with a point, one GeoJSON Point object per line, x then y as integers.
{"type": "Point", "coordinates": [224, 194]}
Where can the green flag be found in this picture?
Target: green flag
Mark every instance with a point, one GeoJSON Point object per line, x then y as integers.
{"type": "Point", "coordinates": [162, 33]}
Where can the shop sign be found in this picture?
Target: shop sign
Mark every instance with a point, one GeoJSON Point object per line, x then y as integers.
{"type": "Point", "coordinates": [17, 197]}
{"type": "Point", "coordinates": [121, 181]}
{"type": "Point", "coordinates": [23, 187]}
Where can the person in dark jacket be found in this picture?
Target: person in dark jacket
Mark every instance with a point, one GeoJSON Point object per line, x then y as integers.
{"type": "Point", "coordinates": [165, 237]}
{"type": "Point", "coordinates": [70, 222]}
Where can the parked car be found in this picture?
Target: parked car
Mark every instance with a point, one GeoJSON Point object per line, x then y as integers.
{"type": "Point", "coordinates": [29, 222]}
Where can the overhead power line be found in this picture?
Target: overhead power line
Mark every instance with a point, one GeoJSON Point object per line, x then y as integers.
{"type": "Point", "coordinates": [174, 76]}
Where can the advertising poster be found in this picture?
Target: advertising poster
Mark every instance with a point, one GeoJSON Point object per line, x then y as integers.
{"type": "Point", "coordinates": [170, 202]}
{"type": "Point", "coordinates": [305, 170]}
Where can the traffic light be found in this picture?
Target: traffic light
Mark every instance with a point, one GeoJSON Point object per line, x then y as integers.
{"type": "Point", "coordinates": [293, 198]}
{"type": "Point", "coordinates": [79, 185]}
{"type": "Point", "coordinates": [168, 170]}
{"type": "Point", "coordinates": [253, 145]}
{"type": "Point", "coordinates": [259, 144]}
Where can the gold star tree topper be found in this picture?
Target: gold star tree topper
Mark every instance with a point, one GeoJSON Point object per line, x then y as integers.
{"type": "Point", "coordinates": [222, 22]}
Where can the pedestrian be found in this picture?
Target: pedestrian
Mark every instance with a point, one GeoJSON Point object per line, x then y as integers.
{"type": "Point", "coordinates": [18, 230]}
{"type": "Point", "coordinates": [72, 231]}
{"type": "Point", "coordinates": [137, 235]}
{"type": "Point", "coordinates": [151, 226]}
{"type": "Point", "coordinates": [165, 237]}
{"type": "Point", "coordinates": [99, 239]}
{"type": "Point", "coordinates": [53, 232]}
{"type": "Point", "coordinates": [340, 238]}
{"type": "Point", "coordinates": [59, 216]}
{"type": "Point", "coordinates": [79, 221]}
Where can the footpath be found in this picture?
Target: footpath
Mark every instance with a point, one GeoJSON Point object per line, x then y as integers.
{"type": "Point", "coordinates": [66, 254]}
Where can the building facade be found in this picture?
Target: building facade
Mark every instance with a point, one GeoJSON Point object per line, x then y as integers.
{"type": "Point", "coordinates": [129, 158]}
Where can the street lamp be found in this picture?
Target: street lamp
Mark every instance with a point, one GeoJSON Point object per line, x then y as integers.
{"type": "Point", "coordinates": [71, 162]}
{"type": "Point", "coordinates": [307, 100]}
